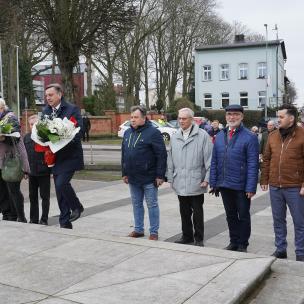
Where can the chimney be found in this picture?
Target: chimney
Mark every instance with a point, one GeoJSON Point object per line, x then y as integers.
{"type": "Point", "coordinates": [239, 38]}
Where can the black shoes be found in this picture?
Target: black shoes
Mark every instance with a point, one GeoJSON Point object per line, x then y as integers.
{"type": "Point", "coordinates": [242, 248]}
{"type": "Point", "coordinates": [199, 243]}
{"type": "Point", "coordinates": [280, 254]}
{"type": "Point", "coordinates": [67, 226]}
{"type": "Point", "coordinates": [183, 241]}
{"type": "Point", "coordinates": [75, 215]}
{"type": "Point", "coordinates": [43, 222]}
{"type": "Point", "coordinates": [33, 222]}
{"type": "Point", "coordinates": [21, 220]}
{"type": "Point", "coordinates": [232, 247]}
{"type": "Point", "coordinates": [300, 258]}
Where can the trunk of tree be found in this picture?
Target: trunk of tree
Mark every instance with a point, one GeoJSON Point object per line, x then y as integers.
{"type": "Point", "coordinates": [53, 67]}
{"type": "Point", "coordinates": [89, 74]}
{"type": "Point", "coordinates": [66, 69]}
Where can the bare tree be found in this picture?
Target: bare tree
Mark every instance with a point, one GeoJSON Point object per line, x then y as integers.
{"type": "Point", "coordinates": [72, 27]}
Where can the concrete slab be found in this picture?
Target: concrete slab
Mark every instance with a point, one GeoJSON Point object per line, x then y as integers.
{"type": "Point", "coordinates": [149, 291]}
{"type": "Point", "coordinates": [283, 285]}
{"type": "Point", "coordinates": [16, 295]}
{"type": "Point", "coordinates": [247, 273]}
{"type": "Point", "coordinates": [44, 274]}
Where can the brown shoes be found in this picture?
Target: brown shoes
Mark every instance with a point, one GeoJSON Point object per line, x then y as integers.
{"type": "Point", "coordinates": [135, 234]}
{"type": "Point", "coordinates": [153, 237]}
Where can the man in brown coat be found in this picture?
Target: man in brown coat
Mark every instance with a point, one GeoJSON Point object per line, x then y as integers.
{"type": "Point", "coordinates": [283, 171]}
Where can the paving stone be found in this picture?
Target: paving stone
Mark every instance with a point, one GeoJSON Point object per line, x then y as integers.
{"type": "Point", "coordinates": [148, 291]}
{"type": "Point", "coordinates": [13, 295]}
{"type": "Point", "coordinates": [102, 253]}
{"type": "Point", "coordinates": [44, 274]}
{"type": "Point", "coordinates": [224, 289]}
{"type": "Point", "coordinates": [156, 261]}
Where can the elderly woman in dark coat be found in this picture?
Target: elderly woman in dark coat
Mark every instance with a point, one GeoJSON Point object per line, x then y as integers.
{"type": "Point", "coordinates": [11, 198]}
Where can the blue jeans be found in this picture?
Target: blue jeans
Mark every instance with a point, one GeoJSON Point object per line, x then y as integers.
{"type": "Point", "coordinates": [138, 193]}
{"type": "Point", "coordinates": [281, 198]}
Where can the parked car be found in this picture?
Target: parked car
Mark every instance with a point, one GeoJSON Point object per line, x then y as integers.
{"type": "Point", "coordinates": [167, 131]}
{"type": "Point", "coordinates": [174, 123]}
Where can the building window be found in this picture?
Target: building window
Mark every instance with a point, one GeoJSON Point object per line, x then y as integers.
{"type": "Point", "coordinates": [224, 72]}
{"type": "Point", "coordinates": [207, 100]}
{"type": "Point", "coordinates": [225, 100]}
{"type": "Point", "coordinates": [243, 71]}
{"type": "Point", "coordinates": [262, 98]}
{"type": "Point", "coordinates": [262, 70]}
{"type": "Point", "coordinates": [244, 99]}
{"type": "Point", "coordinates": [207, 73]}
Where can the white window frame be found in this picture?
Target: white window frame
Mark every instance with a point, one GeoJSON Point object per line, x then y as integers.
{"type": "Point", "coordinates": [208, 99]}
{"type": "Point", "coordinates": [261, 97]}
{"type": "Point", "coordinates": [261, 70]}
{"type": "Point", "coordinates": [224, 71]}
{"type": "Point", "coordinates": [243, 71]}
{"type": "Point", "coordinates": [207, 72]}
{"type": "Point", "coordinates": [225, 98]}
{"type": "Point", "coordinates": [242, 98]}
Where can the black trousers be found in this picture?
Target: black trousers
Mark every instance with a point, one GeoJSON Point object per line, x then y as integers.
{"type": "Point", "coordinates": [85, 135]}
{"type": "Point", "coordinates": [43, 185]}
{"type": "Point", "coordinates": [237, 207]}
{"type": "Point", "coordinates": [192, 207]}
{"type": "Point", "coordinates": [66, 196]}
{"type": "Point", "coordinates": [11, 200]}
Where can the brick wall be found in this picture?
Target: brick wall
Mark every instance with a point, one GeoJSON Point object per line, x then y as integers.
{"type": "Point", "coordinates": [100, 125]}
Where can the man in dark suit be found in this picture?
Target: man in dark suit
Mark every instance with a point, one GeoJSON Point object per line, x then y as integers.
{"type": "Point", "coordinates": [68, 160]}
{"type": "Point", "coordinates": [86, 127]}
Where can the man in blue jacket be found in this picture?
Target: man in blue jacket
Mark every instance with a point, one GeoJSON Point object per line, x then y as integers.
{"type": "Point", "coordinates": [234, 173]}
{"type": "Point", "coordinates": [144, 159]}
{"type": "Point", "coordinates": [68, 160]}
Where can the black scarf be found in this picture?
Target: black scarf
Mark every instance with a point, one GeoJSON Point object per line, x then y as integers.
{"type": "Point", "coordinates": [286, 132]}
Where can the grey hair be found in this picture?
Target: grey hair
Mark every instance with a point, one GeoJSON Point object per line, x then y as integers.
{"type": "Point", "coordinates": [188, 111]}
{"type": "Point", "coordinates": [141, 109]}
{"type": "Point", "coordinates": [272, 121]}
{"type": "Point", "coordinates": [3, 104]}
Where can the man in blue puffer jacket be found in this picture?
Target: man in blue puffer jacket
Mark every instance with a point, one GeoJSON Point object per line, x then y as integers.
{"type": "Point", "coordinates": [234, 173]}
{"type": "Point", "coordinates": [144, 161]}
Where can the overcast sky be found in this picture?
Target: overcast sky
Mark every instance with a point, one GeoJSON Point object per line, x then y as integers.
{"type": "Point", "coordinates": [288, 15]}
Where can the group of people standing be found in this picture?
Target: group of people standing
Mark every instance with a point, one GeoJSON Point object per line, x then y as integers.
{"type": "Point", "coordinates": [229, 166]}
{"type": "Point", "coordinates": [68, 160]}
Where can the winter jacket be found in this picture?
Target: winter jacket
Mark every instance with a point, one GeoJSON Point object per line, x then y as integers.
{"type": "Point", "coordinates": [36, 159]}
{"type": "Point", "coordinates": [144, 155]}
{"type": "Point", "coordinates": [263, 141]}
{"type": "Point", "coordinates": [7, 146]}
{"type": "Point", "coordinates": [235, 163]}
{"type": "Point", "coordinates": [189, 161]}
{"type": "Point", "coordinates": [283, 161]}
{"type": "Point", "coordinates": [69, 158]}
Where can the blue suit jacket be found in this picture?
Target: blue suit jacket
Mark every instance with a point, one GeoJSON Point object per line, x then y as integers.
{"type": "Point", "coordinates": [69, 158]}
{"type": "Point", "coordinates": [235, 163]}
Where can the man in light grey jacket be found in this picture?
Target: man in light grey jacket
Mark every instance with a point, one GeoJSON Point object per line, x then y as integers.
{"type": "Point", "coordinates": [189, 159]}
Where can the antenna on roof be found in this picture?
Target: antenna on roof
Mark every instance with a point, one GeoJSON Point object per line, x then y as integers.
{"type": "Point", "coordinates": [277, 30]}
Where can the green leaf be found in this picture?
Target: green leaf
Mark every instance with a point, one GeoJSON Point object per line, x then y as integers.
{"type": "Point", "coordinates": [54, 138]}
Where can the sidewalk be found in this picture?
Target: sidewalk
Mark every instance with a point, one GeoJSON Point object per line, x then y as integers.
{"type": "Point", "coordinates": [96, 263]}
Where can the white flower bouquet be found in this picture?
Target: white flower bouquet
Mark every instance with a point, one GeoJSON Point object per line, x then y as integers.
{"type": "Point", "coordinates": [6, 128]}
{"type": "Point", "coordinates": [55, 133]}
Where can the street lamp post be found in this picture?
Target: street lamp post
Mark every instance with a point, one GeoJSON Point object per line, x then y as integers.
{"type": "Point", "coordinates": [277, 65]}
{"type": "Point", "coordinates": [18, 95]}
{"type": "Point", "coordinates": [266, 95]}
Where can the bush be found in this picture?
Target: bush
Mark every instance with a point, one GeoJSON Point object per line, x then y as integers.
{"type": "Point", "coordinates": [88, 103]}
